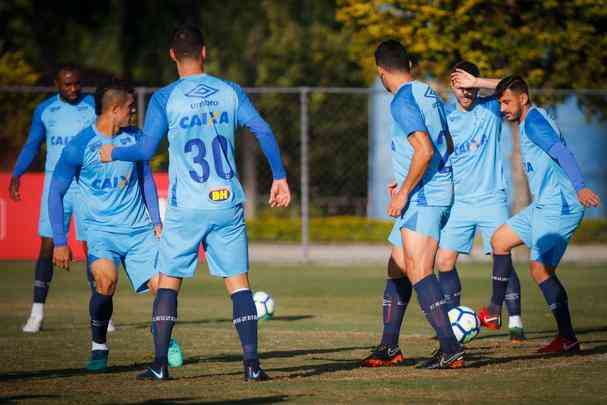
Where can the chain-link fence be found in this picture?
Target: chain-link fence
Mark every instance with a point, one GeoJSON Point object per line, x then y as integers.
{"type": "Point", "coordinates": [327, 142]}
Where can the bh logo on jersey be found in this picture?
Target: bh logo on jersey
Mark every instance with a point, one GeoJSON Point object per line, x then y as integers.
{"type": "Point", "coordinates": [220, 194]}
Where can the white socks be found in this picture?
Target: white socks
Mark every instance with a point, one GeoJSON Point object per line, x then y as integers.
{"type": "Point", "coordinates": [37, 310]}
{"type": "Point", "coordinates": [515, 321]}
{"type": "Point", "coordinates": [99, 346]}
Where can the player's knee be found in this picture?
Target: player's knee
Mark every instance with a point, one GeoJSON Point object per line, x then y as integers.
{"type": "Point", "coordinates": [498, 245]}
{"type": "Point", "coordinates": [46, 248]}
{"type": "Point", "coordinates": [445, 262]}
{"type": "Point", "coordinates": [396, 269]}
{"type": "Point", "coordinates": [105, 285]}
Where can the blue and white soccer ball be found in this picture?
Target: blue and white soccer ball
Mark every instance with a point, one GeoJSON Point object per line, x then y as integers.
{"type": "Point", "coordinates": [264, 304]}
{"type": "Point", "coordinates": [465, 323]}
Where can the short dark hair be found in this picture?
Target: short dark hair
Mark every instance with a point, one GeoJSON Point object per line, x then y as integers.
{"type": "Point", "coordinates": [110, 93]}
{"type": "Point", "coordinates": [187, 41]}
{"type": "Point", "coordinates": [467, 66]}
{"type": "Point", "coordinates": [512, 83]}
{"type": "Point", "coordinates": [392, 55]}
{"type": "Point", "coordinates": [66, 67]}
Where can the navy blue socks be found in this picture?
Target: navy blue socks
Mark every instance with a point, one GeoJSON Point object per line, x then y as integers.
{"type": "Point", "coordinates": [396, 297]}
{"type": "Point", "coordinates": [100, 310]}
{"type": "Point", "coordinates": [556, 298]}
{"type": "Point", "coordinates": [42, 279]}
{"type": "Point", "coordinates": [513, 295]}
{"type": "Point", "coordinates": [502, 268]}
{"type": "Point", "coordinates": [433, 305]}
{"type": "Point", "coordinates": [244, 317]}
{"type": "Point", "coordinates": [451, 287]}
{"type": "Point", "coordinates": [164, 317]}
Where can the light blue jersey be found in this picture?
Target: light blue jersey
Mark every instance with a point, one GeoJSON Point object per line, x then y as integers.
{"type": "Point", "coordinates": [111, 193]}
{"type": "Point", "coordinates": [548, 182]}
{"type": "Point", "coordinates": [478, 172]}
{"type": "Point", "coordinates": [55, 121]}
{"type": "Point", "coordinates": [417, 108]}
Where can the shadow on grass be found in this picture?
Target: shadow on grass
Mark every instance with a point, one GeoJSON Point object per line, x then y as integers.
{"type": "Point", "coordinates": [14, 398]}
{"type": "Point", "coordinates": [483, 361]}
{"type": "Point", "coordinates": [68, 372]}
{"type": "Point", "coordinates": [273, 354]}
{"type": "Point", "coordinates": [543, 334]}
{"type": "Point", "coordinates": [190, 400]}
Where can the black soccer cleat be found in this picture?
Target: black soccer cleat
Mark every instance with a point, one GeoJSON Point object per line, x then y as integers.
{"type": "Point", "coordinates": [442, 361]}
{"type": "Point", "coordinates": [155, 373]}
{"type": "Point", "coordinates": [254, 372]}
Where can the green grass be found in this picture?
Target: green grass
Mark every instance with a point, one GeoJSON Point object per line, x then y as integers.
{"type": "Point", "coordinates": [327, 319]}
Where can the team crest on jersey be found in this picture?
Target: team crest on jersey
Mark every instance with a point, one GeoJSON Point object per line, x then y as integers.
{"type": "Point", "coordinates": [125, 141]}
{"type": "Point", "coordinates": [201, 91]}
{"type": "Point", "coordinates": [83, 108]}
{"type": "Point", "coordinates": [93, 147]}
{"type": "Point", "coordinates": [220, 194]}
{"type": "Point", "coordinates": [56, 108]}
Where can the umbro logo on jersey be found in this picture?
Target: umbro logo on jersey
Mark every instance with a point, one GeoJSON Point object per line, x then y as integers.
{"type": "Point", "coordinates": [201, 91]}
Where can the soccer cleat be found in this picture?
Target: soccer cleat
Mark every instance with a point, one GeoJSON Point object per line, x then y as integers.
{"type": "Point", "coordinates": [561, 345]}
{"type": "Point", "coordinates": [489, 320]}
{"type": "Point", "coordinates": [98, 361]}
{"type": "Point", "coordinates": [254, 372]}
{"type": "Point", "coordinates": [175, 354]}
{"type": "Point", "coordinates": [33, 324]}
{"type": "Point", "coordinates": [517, 335]}
{"type": "Point", "coordinates": [383, 356]}
{"type": "Point", "coordinates": [442, 361]}
{"type": "Point", "coordinates": [110, 326]}
{"type": "Point", "coordinates": [155, 373]}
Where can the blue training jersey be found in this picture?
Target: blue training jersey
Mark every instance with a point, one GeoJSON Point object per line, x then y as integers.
{"type": "Point", "coordinates": [478, 171]}
{"type": "Point", "coordinates": [111, 192]}
{"type": "Point", "coordinates": [57, 121]}
{"type": "Point", "coordinates": [548, 182]}
{"type": "Point", "coordinates": [201, 114]}
{"type": "Point", "coordinates": [417, 108]}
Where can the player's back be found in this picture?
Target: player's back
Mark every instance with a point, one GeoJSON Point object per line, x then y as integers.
{"type": "Point", "coordinates": [478, 175]}
{"type": "Point", "coordinates": [548, 182]}
{"type": "Point", "coordinates": [62, 121]}
{"type": "Point", "coordinates": [202, 114]}
{"type": "Point", "coordinates": [111, 192]}
{"type": "Point", "coordinates": [436, 187]}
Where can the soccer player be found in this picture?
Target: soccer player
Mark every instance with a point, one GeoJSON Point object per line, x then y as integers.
{"type": "Point", "coordinates": [548, 223]}
{"type": "Point", "coordinates": [201, 114]}
{"type": "Point", "coordinates": [420, 200]}
{"type": "Point", "coordinates": [55, 120]}
{"type": "Point", "coordinates": [121, 204]}
{"type": "Point", "coordinates": [480, 199]}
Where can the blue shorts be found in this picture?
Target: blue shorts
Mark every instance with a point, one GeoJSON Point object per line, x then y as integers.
{"type": "Point", "coordinates": [223, 235]}
{"type": "Point", "coordinates": [71, 205]}
{"type": "Point", "coordinates": [424, 220]}
{"type": "Point", "coordinates": [546, 230]}
{"type": "Point", "coordinates": [465, 219]}
{"type": "Point", "coordinates": [136, 250]}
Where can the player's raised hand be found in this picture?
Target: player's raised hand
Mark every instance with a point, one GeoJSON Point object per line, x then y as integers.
{"type": "Point", "coordinates": [397, 203]}
{"type": "Point", "coordinates": [13, 189]}
{"type": "Point", "coordinates": [157, 231]}
{"type": "Point", "coordinates": [62, 256]}
{"type": "Point", "coordinates": [280, 195]}
{"type": "Point", "coordinates": [588, 198]}
{"type": "Point", "coordinates": [462, 79]}
{"type": "Point", "coordinates": [392, 188]}
{"type": "Point", "coordinates": [105, 153]}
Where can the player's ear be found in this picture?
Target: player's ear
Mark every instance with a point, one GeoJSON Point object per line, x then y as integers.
{"type": "Point", "coordinates": [524, 98]}
{"type": "Point", "coordinates": [172, 55]}
{"type": "Point", "coordinates": [203, 53]}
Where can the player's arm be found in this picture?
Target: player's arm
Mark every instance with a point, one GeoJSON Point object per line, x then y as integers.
{"type": "Point", "coordinates": [154, 128]}
{"type": "Point", "coordinates": [247, 115]}
{"type": "Point", "coordinates": [540, 132]}
{"type": "Point", "coordinates": [150, 195]}
{"type": "Point", "coordinates": [67, 167]}
{"type": "Point", "coordinates": [463, 79]}
{"type": "Point", "coordinates": [409, 119]}
{"type": "Point", "coordinates": [28, 153]}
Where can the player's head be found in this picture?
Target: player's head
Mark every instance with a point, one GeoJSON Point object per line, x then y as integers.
{"type": "Point", "coordinates": [114, 100]}
{"type": "Point", "coordinates": [187, 44]}
{"type": "Point", "coordinates": [392, 62]}
{"type": "Point", "coordinates": [513, 95]}
{"type": "Point", "coordinates": [67, 80]}
{"type": "Point", "coordinates": [465, 97]}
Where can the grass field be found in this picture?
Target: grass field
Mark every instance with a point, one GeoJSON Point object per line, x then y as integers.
{"type": "Point", "coordinates": [327, 319]}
